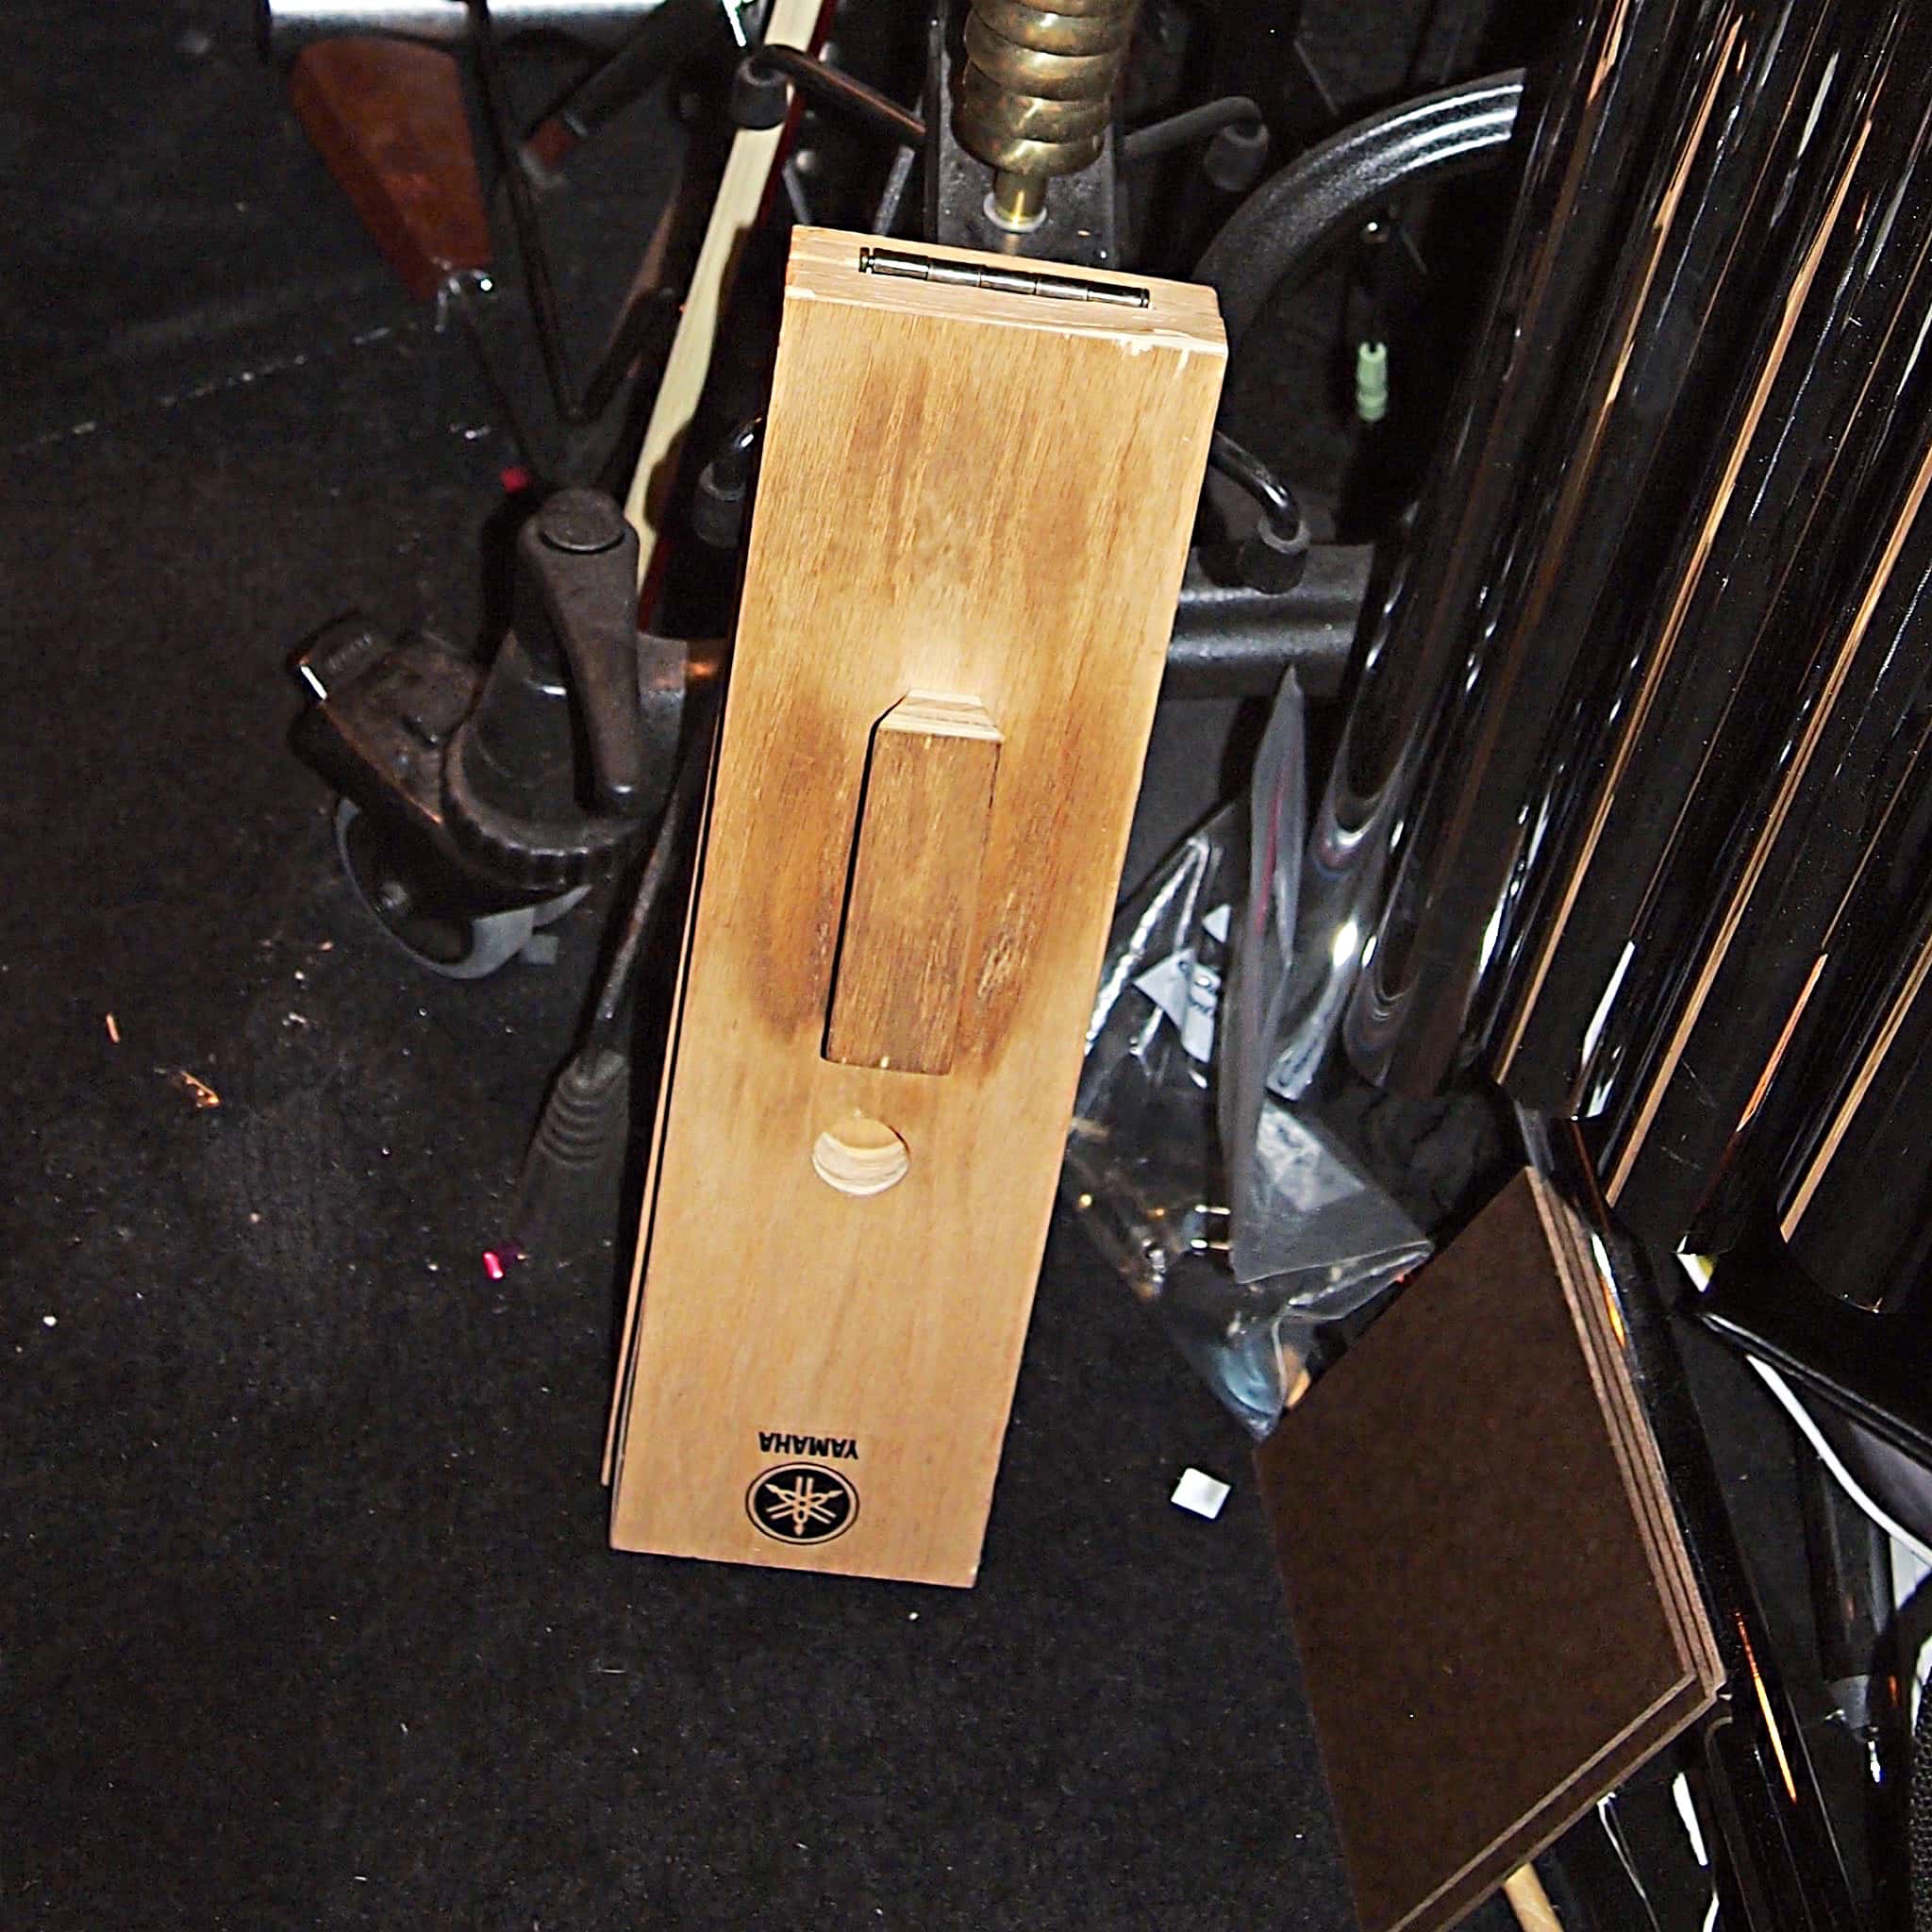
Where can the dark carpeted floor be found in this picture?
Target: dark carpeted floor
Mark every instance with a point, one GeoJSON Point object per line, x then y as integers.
{"type": "Point", "coordinates": [307, 1616]}
{"type": "Point", "coordinates": [306, 1613]}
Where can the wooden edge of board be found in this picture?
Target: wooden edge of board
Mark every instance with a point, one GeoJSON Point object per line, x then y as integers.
{"type": "Point", "coordinates": [749, 165]}
{"type": "Point", "coordinates": [1634, 1442]}
{"type": "Point", "coordinates": [1537, 1830]}
{"type": "Point", "coordinates": [633, 1307]}
{"type": "Point", "coordinates": [823, 267]}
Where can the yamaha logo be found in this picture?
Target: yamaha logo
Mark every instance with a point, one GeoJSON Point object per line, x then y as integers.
{"type": "Point", "coordinates": [801, 1503]}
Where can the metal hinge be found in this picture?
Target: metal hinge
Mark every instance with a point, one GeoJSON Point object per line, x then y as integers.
{"type": "Point", "coordinates": [1006, 281]}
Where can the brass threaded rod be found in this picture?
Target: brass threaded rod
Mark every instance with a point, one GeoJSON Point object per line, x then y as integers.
{"type": "Point", "coordinates": [1036, 93]}
{"type": "Point", "coordinates": [1018, 201]}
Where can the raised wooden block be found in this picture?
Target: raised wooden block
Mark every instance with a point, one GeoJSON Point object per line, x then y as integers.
{"type": "Point", "coordinates": [915, 885]}
{"type": "Point", "coordinates": [968, 490]}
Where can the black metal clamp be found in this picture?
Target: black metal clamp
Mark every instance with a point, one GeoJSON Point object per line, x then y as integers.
{"type": "Point", "coordinates": [472, 795]}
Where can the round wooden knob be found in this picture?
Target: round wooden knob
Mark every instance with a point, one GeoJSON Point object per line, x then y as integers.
{"type": "Point", "coordinates": [860, 1156]}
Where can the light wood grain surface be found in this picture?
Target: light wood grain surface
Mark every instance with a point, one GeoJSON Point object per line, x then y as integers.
{"type": "Point", "coordinates": [1530, 1902]}
{"type": "Point", "coordinates": [965, 492]}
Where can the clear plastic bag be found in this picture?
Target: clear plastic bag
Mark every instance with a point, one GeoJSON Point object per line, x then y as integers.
{"type": "Point", "coordinates": [1240, 1218]}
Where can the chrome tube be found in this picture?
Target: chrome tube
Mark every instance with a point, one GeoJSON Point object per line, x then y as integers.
{"type": "Point", "coordinates": [289, 26]}
{"type": "Point", "coordinates": [1713, 650]}
{"type": "Point", "coordinates": [1588, 148]}
{"type": "Point", "coordinates": [1746, 154]}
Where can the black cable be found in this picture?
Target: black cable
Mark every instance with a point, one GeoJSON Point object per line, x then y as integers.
{"type": "Point", "coordinates": [1240, 464]}
{"type": "Point", "coordinates": [605, 1029]}
{"type": "Point", "coordinates": [655, 312]}
{"type": "Point", "coordinates": [1422, 72]}
{"type": "Point", "coordinates": [570, 1182]}
{"type": "Point", "coordinates": [885, 215]}
{"type": "Point", "coordinates": [650, 322]}
{"type": "Point", "coordinates": [1372, 265]}
{"type": "Point", "coordinates": [1195, 123]}
{"type": "Point", "coordinates": [833, 87]}
{"type": "Point", "coordinates": [1277, 553]}
{"type": "Point", "coordinates": [670, 36]}
{"type": "Point", "coordinates": [536, 262]}
{"type": "Point", "coordinates": [724, 487]}
{"type": "Point", "coordinates": [1412, 74]}
{"type": "Point", "coordinates": [471, 307]}
{"type": "Point", "coordinates": [1285, 227]}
